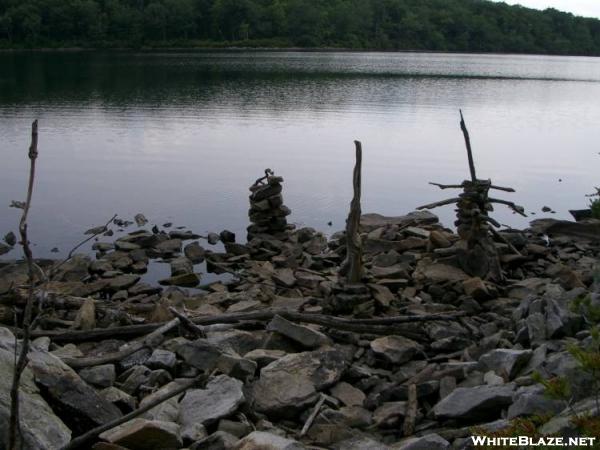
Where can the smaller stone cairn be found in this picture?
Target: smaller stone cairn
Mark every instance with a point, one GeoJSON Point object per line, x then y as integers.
{"type": "Point", "coordinates": [267, 212]}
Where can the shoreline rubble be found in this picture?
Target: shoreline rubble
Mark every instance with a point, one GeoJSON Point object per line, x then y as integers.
{"type": "Point", "coordinates": [428, 348]}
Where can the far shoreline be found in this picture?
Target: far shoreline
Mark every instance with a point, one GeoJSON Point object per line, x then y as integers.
{"type": "Point", "coordinates": [240, 49]}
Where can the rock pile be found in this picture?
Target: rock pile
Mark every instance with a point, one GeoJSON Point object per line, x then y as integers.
{"type": "Point", "coordinates": [275, 372]}
{"type": "Point", "coordinates": [267, 212]}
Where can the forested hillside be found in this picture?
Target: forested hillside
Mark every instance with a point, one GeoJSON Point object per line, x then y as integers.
{"type": "Point", "coordinates": [446, 25]}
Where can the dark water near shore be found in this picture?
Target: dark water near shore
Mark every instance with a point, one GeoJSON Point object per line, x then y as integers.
{"type": "Point", "coordinates": [181, 136]}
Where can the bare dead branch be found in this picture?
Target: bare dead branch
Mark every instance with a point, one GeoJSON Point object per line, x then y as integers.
{"type": "Point", "coordinates": [14, 424]}
{"type": "Point", "coordinates": [151, 341]}
{"type": "Point", "coordinates": [352, 265]}
{"type": "Point", "coordinates": [463, 127]}
{"type": "Point", "coordinates": [516, 208]}
{"type": "Point", "coordinates": [440, 203]}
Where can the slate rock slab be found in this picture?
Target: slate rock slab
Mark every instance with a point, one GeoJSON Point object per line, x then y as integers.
{"type": "Point", "coordinates": [480, 402]}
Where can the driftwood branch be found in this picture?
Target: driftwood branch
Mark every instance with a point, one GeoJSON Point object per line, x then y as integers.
{"type": "Point", "coordinates": [463, 127]}
{"type": "Point", "coordinates": [440, 203]}
{"type": "Point", "coordinates": [152, 340]}
{"type": "Point", "coordinates": [313, 416]}
{"type": "Point", "coordinates": [516, 208]}
{"type": "Point", "coordinates": [84, 440]}
{"type": "Point", "coordinates": [460, 186]}
{"type": "Point", "coordinates": [188, 324]}
{"type": "Point", "coordinates": [381, 325]}
{"type": "Point", "coordinates": [14, 424]}
{"type": "Point", "coordinates": [352, 266]}
{"type": "Point", "coordinates": [408, 428]}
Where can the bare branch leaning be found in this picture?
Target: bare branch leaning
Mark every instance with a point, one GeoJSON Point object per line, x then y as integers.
{"type": "Point", "coordinates": [14, 432]}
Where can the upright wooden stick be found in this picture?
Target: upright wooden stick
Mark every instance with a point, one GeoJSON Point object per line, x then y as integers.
{"type": "Point", "coordinates": [14, 428]}
{"type": "Point", "coordinates": [463, 127]}
{"type": "Point", "coordinates": [352, 267]}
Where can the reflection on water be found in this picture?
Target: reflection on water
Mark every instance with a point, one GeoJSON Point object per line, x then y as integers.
{"type": "Point", "coordinates": [180, 136]}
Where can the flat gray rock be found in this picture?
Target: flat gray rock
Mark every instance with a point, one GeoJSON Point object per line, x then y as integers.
{"type": "Point", "coordinates": [480, 402]}
{"type": "Point", "coordinates": [221, 398]}
{"type": "Point", "coordinates": [142, 434]}
{"type": "Point", "coordinates": [267, 441]}
{"type": "Point", "coordinates": [429, 442]}
{"type": "Point", "coordinates": [305, 336]}
{"type": "Point", "coordinates": [395, 349]}
{"type": "Point", "coordinates": [505, 362]}
{"type": "Point", "coordinates": [42, 430]}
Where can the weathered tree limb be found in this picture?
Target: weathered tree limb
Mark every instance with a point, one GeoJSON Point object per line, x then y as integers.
{"type": "Point", "coordinates": [447, 186]}
{"type": "Point", "coordinates": [352, 268]}
{"type": "Point", "coordinates": [463, 127]}
{"type": "Point", "coordinates": [440, 203]}
{"type": "Point", "coordinates": [505, 241]}
{"type": "Point", "coordinates": [312, 417]}
{"type": "Point", "coordinates": [516, 208]}
{"type": "Point", "coordinates": [188, 324]}
{"type": "Point", "coordinates": [14, 423]}
{"type": "Point", "coordinates": [460, 186]}
{"type": "Point", "coordinates": [388, 324]}
{"type": "Point", "coordinates": [152, 340]}
{"type": "Point", "coordinates": [408, 428]}
{"type": "Point", "coordinates": [84, 440]}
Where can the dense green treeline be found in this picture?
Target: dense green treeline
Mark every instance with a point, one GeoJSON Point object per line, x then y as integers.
{"type": "Point", "coordinates": [444, 25]}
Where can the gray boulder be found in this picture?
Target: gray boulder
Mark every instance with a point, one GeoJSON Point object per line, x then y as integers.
{"type": "Point", "coordinates": [263, 440]}
{"type": "Point", "coordinates": [77, 403]}
{"type": "Point", "coordinates": [41, 429]}
{"type": "Point", "coordinates": [395, 349]}
{"type": "Point", "coordinates": [142, 434]}
{"type": "Point", "coordinates": [221, 398]}
{"type": "Point", "coordinates": [480, 402]}
{"type": "Point", "coordinates": [531, 401]}
{"type": "Point", "coordinates": [290, 384]}
{"type": "Point", "coordinates": [428, 442]}
{"type": "Point", "coordinates": [505, 362]}
{"type": "Point", "coordinates": [305, 336]}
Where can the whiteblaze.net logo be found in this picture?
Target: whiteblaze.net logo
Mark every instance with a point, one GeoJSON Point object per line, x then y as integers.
{"type": "Point", "coordinates": [527, 441]}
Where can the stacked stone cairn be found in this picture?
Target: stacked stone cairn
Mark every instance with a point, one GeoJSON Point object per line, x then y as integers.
{"type": "Point", "coordinates": [267, 212]}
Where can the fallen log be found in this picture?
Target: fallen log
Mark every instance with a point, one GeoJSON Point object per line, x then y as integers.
{"type": "Point", "coordinates": [383, 325]}
{"type": "Point", "coordinates": [152, 340]}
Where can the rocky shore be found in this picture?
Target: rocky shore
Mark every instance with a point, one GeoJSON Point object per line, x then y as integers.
{"type": "Point", "coordinates": [420, 355]}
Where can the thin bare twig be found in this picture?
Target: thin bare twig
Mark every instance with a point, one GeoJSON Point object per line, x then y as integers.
{"type": "Point", "coordinates": [14, 425]}
{"type": "Point", "coordinates": [463, 127]}
{"type": "Point", "coordinates": [312, 417]}
{"type": "Point", "coordinates": [85, 241]}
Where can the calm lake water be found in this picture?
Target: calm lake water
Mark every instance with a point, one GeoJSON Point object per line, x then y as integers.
{"type": "Point", "coordinates": [181, 136]}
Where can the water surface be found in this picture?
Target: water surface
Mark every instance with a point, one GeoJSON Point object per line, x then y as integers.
{"type": "Point", "coordinates": [181, 136]}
